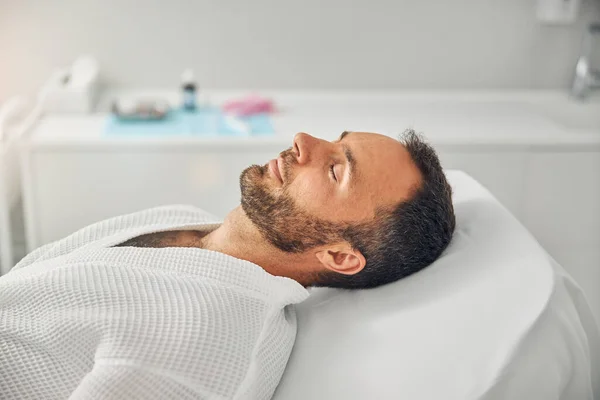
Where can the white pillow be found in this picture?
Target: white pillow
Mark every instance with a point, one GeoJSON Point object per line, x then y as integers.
{"type": "Point", "coordinates": [449, 331]}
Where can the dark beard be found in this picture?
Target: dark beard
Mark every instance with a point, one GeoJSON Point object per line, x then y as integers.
{"type": "Point", "coordinates": [278, 218]}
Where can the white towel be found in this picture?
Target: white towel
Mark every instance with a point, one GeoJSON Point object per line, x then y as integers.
{"type": "Point", "coordinates": [81, 318]}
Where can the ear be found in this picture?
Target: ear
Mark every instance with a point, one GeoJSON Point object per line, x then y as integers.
{"type": "Point", "coordinates": [341, 258]}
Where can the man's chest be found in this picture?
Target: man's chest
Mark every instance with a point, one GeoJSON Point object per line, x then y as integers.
{"type": "Point", "coordinates": [178, 238]}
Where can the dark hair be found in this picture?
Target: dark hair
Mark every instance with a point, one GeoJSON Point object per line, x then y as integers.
{"type": "Point", "coordinates": [407, 238]}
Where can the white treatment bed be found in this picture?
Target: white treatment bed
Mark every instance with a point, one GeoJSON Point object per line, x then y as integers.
{"type": "Point", "coordinates": [494, 318]}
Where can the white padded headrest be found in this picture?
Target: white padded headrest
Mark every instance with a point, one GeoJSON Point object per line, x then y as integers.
{"type": "Point", "coordinates": [447, 329]}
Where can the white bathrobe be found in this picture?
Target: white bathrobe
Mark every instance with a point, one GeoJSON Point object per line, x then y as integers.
{"type": "Point", "coordinates": [82, 319]}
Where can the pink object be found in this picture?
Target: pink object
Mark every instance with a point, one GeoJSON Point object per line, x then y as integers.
{"type": "Point", "coordinates": [249, 105]}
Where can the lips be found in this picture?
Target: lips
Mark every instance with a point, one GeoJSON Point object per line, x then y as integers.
{"type": "Point", "coordinates": [274, 167]}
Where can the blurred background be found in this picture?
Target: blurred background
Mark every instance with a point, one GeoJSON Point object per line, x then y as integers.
{"type": "Point", "coordinates": [108, 107]}
{"type": "Point", "coordinates": [311, 44]}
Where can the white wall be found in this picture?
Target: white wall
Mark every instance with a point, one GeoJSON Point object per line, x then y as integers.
{"type": "Point", "coordinates": [292, 44]}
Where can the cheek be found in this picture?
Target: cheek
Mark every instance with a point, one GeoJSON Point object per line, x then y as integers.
{"type": "Point", "coordinates": [318, 198]}
{"type": "Point", "coordinates": [312, 194]}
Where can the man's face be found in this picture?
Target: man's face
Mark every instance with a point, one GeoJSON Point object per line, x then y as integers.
{"type": "Point", "coordinates": [309, 194]}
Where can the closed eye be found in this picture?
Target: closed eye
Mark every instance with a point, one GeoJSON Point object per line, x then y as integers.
{"type": "Point", "coordinates": [332, 172]}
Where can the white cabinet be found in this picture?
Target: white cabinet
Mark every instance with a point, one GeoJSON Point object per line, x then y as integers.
{"type": "Point", "coordinates": [71, 189]}
{"type": "Point", "coordinates": [501, 172]}
{"type": "Point", "coordinates": [562, 198]}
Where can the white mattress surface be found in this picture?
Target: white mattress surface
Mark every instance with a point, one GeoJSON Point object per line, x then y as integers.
{"type": "Point", "coordinates": [494, 318]}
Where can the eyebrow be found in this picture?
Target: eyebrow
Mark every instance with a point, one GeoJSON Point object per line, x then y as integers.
{"type": "Point", "coordinates": [349, 157]}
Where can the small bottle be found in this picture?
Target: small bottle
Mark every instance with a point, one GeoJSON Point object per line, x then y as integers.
{"type": "Point", "coordinates": [189, 90]}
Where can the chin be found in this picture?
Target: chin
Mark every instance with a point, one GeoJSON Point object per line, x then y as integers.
{"type": "Point", "coordinates": [250, 179]}
{"type": "Point", "coordinates": [252, 173]}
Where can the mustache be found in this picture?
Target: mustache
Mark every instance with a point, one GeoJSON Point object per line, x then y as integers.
{"type": "Point", "coordinates": [289, 160]}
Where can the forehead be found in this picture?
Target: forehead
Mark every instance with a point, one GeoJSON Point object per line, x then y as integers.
{"type": "Point", "coordinates": [386, 173]}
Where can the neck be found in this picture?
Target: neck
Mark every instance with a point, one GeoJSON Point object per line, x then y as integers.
{"type": "Point", "coordinates": [239, 238]}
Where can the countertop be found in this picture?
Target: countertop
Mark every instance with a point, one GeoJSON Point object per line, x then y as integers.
{"type": "Point", "coordinates": [499, 118]}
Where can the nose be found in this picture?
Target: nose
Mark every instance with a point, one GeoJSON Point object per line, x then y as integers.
{"type": "Point", "coordinates": [305, 146]}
